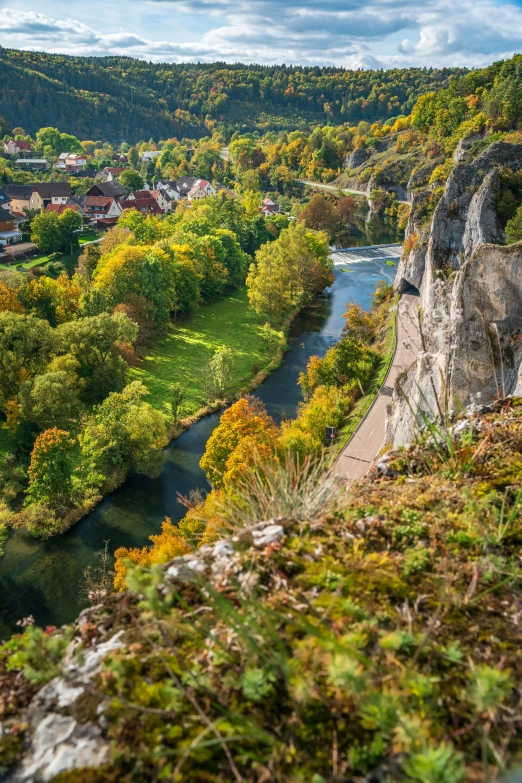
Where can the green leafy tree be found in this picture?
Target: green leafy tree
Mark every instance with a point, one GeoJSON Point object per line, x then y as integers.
{"type": "Point", "coordinates": [50, 400]}
{"type": "Point", "coordinates": [133, 156]}
{"type": "Point", "coordinates": [131, 180]}
{"type": "Point", "coordinates": [50, 469]}
{"type": "Point", "coordinates": [514, 227]}
{"type": "Point", "coordinates": [94, 344]}
{"type": "Point", "coordinates": [125, 433]}
{"type": "Point", "coordinates": [177, 397]}
{"type": "Point", "coordinates": [46, 232]}
{"type": "Point", "coordinates": [26, 345]}
{"type": "Point", "coordinates": [218, 376]}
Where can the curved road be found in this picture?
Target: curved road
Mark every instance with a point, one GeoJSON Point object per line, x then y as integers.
{"type": "Point", "coordinates": [368, 439]}
{"type": "Point", "coordinates": [336, 189]}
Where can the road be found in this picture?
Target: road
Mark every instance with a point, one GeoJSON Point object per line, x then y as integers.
{"type": "Point", "coordinates": [336, 189]}
{"type": "Point", "coordinates": [368, 439]}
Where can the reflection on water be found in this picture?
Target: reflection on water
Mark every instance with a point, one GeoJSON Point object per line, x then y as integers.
{"type": "Point", "coordinates": [43, 578]}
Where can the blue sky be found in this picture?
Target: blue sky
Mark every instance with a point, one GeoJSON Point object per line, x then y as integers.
{"type": "Point", "coordinates": [354, 34]}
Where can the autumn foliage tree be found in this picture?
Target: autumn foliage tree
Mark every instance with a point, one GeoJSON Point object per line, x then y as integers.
{"type": "Point", "coordinates": [247, 418]}
{"type": "Point", "coordinates": [9, 301]}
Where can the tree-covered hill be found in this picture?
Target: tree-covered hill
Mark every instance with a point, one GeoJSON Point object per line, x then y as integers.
{"type": "Point", "coordinates": [120, 98]}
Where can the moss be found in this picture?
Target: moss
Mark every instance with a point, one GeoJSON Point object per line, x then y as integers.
{"type": "Point", "coordinates": [380, 629]}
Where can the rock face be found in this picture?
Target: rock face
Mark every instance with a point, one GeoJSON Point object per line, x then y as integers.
{"type": "Point", "coordinates": [471, 298]}
{"type": "Point", "coordinates": [58, 739]}
{"type": "Point", "coordinates": [356, 158]}
{"type": "Point", "coordinates": [464, 146]}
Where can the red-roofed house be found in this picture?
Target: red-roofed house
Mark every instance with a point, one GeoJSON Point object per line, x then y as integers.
{"type": "Point", "coordinates": [102, 208]}
{"type": "Point", "coordinates": [60, 208]}
{"type": "Point", "coordinates": [269, 207]}
{"type": "Point", "coordinates": [159, 196]}
{"type": "Point", "coordinates": [201, 189]}
{"type": "Point", "coordinates": [144, 205]}
{"type": "Point", "coordinates": [17, 147]}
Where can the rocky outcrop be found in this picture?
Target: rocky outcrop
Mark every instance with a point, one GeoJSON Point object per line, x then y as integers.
{"type": "Point", "coordinates": [418, 178]}
{"type": "Point", "coordinates": [66, 721]}
{"type": "Point", "coordinates": [356, 158]}
{"type": "Point", "coordinates": [60, 736]}
{"type": "Point", "coordinates": [464, 146]}
{"type": "Point", "coordinates": [471, 298]}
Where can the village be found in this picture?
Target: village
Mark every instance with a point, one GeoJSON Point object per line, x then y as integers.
{"type": "Point", "coordinates": [102, 204]}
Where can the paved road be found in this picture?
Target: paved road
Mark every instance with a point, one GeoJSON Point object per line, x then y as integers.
{"type": "Point", "coordinates": [335, 188]}
{"type": "Point", "coordinates": [368, 440]}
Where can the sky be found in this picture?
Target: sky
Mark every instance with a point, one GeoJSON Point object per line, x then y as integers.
{"type": "Point", "coordinates": [349, 33]}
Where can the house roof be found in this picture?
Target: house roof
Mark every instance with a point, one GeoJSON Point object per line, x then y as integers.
{"type": "Point", "coordinates": [199, 184]}
{"type": "Point", "coordinates": [112, 189]}
{"type": "Point", "coordinates": [21, 144]}
{"type": "Point", "coordinates": [91, 173]}
{"type": "Point", "coordinates": [60, 208]}
{"type": "Point", "coordinates": [23, 192]}
{"type": "Point", "coordinates": [5, 215]}
{"type": "Point", "coordinates": [25, 161]}
{"type": "Point", "coordinates": [141, 194]}
{"type": "Point", "coordinates": [107, 221]}
{"type": "Point", "coordinates": [50, 189]}
{"type": "Point", "coordinates": [99, 201]}
{"type": "Point", "coordinates": [115, 171]}
{"type": "Point", "coordinates": [143, 205]}
{"type": "Point", "coordinates": [185, 184]}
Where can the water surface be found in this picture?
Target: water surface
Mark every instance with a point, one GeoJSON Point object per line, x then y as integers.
{"type": "Point", "coordinates": [44, 578]}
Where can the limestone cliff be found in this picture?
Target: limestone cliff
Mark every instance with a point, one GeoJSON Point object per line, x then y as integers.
{"type": "Point", "coordinates": [470, 288]}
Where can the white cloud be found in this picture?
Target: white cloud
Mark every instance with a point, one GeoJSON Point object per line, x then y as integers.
{"type": "Point", "coordinates": [376, 33]}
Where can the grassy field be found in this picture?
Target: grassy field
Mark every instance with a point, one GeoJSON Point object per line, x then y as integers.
{"type": "Point", "coordinates": [183, 353]}
{"type": "Point", "coordinates": [89, 235]}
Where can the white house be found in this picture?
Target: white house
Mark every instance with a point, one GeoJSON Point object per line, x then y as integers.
{"type": "Point", "coordinates": [102, 208]}
{"type": "Point", "coordinates": [13, 147]}
{"type": "Point", "coordinates": [70, 161]}
{"type": "Point", "coordinates": [201, 189]}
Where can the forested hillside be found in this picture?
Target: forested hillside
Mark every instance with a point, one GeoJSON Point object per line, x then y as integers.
{"type": "Point", "coordinates": [119, 98]}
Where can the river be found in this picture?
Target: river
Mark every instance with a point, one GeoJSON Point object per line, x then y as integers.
{"type": "Point", "coordinates": [44, 578]}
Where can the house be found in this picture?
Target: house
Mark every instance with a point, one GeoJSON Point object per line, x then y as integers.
{"type": "Point", "coordinates": [6, 220]}
{"type": "Point", "coordinates": [162, 201]}
{"type": "Point", "coordinates": [190, 153]}
{"type": "Point", "coordinates": [104, 209]}
{"type": "Point", "coordinates": [9, 235]}
{"type": "Point", "coordinates": [120, 157]}
{"type": "Point", "coordinates": [111, 173]}
{"type": "Point", "coordinates": [269, 207]}
{"type": "Point", "coordinates": [88, 173]}
{"type": "Point", "coordinates": [19, 147]}
{"type": "Point", "coordinates": [5, 200]}
{"type": "Point", "coordinates": [201, 189]}
{"type": "Point", "coordinates": [110, 189]}
{"type": "Point", "coordinates": [147, 156]}
{"type": "Point", "coordinates": [185, 184]}
{"type": "Point", "coordinates": [19, 197]}
{"type": "Point", "coordinates": [69, 161]}
{"type": "Point", "coordinates": [169, 188]}
{"type": "Point", "coordinates": [69, 204]}
{"type": "Point", "coordinates": [147, 206]}
{"type": "Point", "coordinates": [45, 193]}
{"type": "Point", "coordinates": [32, 164]}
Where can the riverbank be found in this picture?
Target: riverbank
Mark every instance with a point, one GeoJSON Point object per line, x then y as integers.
{"type": "Point", "coordinates": [183, 353]}
{"type": "Point", "coordinates": [363, 405]}
{"type": "Point", "coordinates": [45, 577]}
